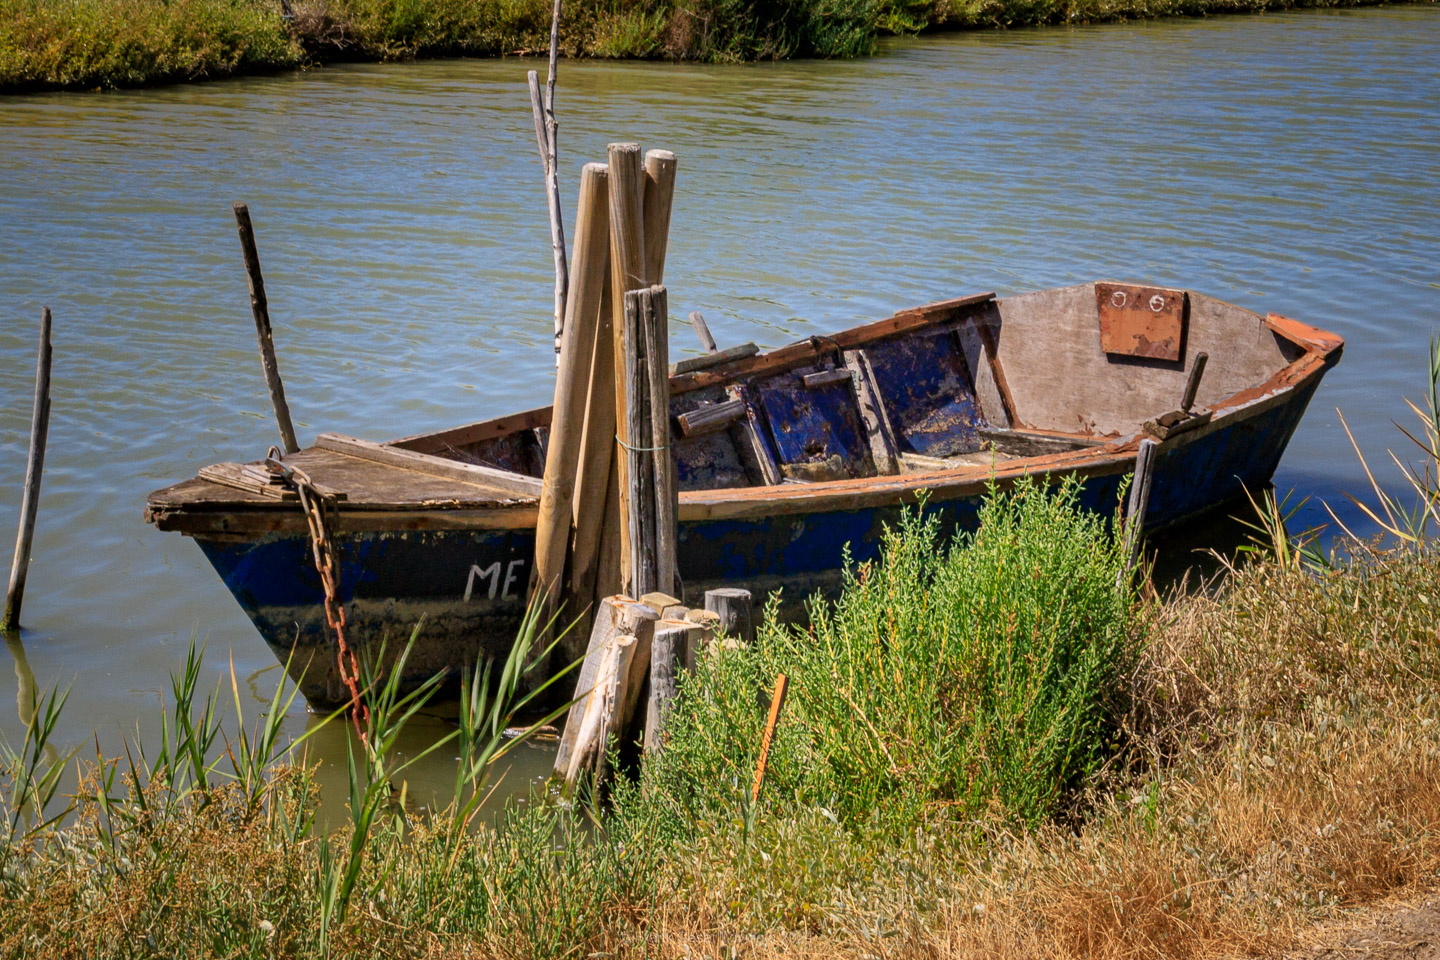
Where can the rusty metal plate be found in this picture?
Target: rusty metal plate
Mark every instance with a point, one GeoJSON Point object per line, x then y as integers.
{"type": "Point", "coordinates": [1141, 321]}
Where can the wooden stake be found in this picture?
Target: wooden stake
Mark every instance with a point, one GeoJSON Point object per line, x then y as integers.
{"type": "Point", "coordinates": [34, 468]}
{"type": "Point", "coordinates": [638, 497]}
{"type": "Point", "coordinates": [627, 272]}
{"type": "Point", "coordinates": [260, 307]}
{"type": "Point", "coordinates": [777, 700]}
{"type": "Point", "coordinates": [1138, 505]}
{"type": "Point", "coordinates": [735, 608]}
{"type": "Point", "coordinates": [702, 330]}
{"type": "Point", "coordinates": [1192, 382]}
{"type": "Point", "coordinates": [595, 483]}
{"type": "Point", "coordinates": [672, 651]}
{"type": "Point", "coordinates": [567, 424]}
{"type": "Point", "coordinates": [658, 196]}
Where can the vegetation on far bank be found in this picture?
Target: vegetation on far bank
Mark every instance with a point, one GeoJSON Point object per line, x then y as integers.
{"type": "Point", "coordinates": [88, 44]}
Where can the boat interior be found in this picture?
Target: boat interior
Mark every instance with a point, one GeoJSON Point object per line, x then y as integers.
{"type": "Point", "coordinates": [959, 386]}
{"type": "Point", "coordinates": [968, 382]}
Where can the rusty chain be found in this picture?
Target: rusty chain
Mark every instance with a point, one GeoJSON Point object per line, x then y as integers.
{"type": "Point", "coordinates": [318, 508]}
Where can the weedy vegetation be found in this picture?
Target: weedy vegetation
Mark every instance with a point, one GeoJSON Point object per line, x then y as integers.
{"type": "Point", "coordinates": [992, 747]}
{"type": "Point", "coordinates": [87, 44]}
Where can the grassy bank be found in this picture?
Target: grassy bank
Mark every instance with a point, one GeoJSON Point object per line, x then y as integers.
{"type": "Point", "coordinates": [86, 44]}
{"type": "Point", "coordinates": [989, 749]}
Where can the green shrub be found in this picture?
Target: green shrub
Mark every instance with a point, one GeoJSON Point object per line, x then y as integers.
{"type": "Point", "coordinates": [943, 683]}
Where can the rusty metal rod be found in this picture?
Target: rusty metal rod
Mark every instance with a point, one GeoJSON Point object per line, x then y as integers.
{"type": "Point", "coordinates": [260, 307]}
{"type": "Point", "coordinates": [777, 700]}
{"type": "Point", "coordinates": [34, 467]}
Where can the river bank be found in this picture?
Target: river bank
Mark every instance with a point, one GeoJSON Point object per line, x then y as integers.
{"type": "Point", "coordinates": [98, 44]}
{"type": "Point", "coordinates": [993, 751]}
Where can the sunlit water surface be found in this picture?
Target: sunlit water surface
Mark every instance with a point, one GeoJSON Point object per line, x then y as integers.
{"type": "Point", "coordinates": [1285, 162]}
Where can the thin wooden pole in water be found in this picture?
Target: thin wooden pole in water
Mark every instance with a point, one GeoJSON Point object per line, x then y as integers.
{"type": "Point", "coordinates": [260, 307]}
{"type": "Point", "coordinates": [547, 139]}
{"type": "Point", "coordinates": [34, 467]}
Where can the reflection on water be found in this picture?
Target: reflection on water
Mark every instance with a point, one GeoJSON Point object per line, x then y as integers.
{"type": "Point", "coordinates": [1284, 162]}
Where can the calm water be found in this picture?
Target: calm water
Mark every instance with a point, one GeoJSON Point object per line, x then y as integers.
{"type": "Point", "coordinates": [1286, 162]}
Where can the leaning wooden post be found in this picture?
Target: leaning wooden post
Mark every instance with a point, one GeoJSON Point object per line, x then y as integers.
{"type": "Point", "coordinates": [1138, 505]}
{"type": "Point", "coordinates": [567, 423]}
{"type": "Point", "coordinates": [34, 467]}
{"type": "Point", "coordinates": [260, 307]}
{"type": "Point", "coordinates": [735, 608]}
{"type": "Point", "coordinates": [627, 272]}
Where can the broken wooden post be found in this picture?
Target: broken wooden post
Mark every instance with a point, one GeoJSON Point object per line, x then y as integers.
{"type": "Point", "coordinates": [672, 652]}
{"type": "Point", "coordinates": [735, 608]}
{"type": "Point", "coordinates": [1139, 503]}
{"type": "Point", "coordinates": [777, 700]}
{"type": "Point", "coordinates": [581, 739]}
{"type": "Point", "coordinates": [567, 422]}
{"type": "Point", "coordinates": [260, 308]}
{"type": "Point", "coordinates": [1192, 382]}
{"type": "Point", "coordinates": [702, 330]}
{"type": "Point", "coordinates": [34, 468]}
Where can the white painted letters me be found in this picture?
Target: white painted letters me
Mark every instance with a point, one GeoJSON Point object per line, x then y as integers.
{"type": "Point", "coordinates": [492, 572]}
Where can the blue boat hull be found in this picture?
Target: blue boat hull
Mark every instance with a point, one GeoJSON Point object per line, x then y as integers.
{"type": "Point", "coordinates": [469, 585]}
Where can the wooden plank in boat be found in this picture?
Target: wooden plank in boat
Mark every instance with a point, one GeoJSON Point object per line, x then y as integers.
{"type": "Point", "coordinates": [691, 364]}
{"type": "Point", "coordinates": [503, 480]}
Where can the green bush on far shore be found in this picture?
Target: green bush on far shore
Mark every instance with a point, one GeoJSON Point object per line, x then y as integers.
{"type": "Point", "coordinates": [119, 43]}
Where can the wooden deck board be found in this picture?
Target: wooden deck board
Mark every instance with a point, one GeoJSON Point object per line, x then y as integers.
{"type": "Point", "coordinates": [368, 485]}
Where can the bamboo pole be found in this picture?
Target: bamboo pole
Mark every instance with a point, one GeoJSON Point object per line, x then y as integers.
{"type": "Point", "coordinates": [260, 308]}
{"type": "Point", "coordinates": [34, 468]}
{"type": "Point", "coordinates": [567, 424]}
{"type": "Point", "coordinates": [627, 273]}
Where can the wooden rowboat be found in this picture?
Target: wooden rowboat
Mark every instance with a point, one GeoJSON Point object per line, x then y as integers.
{"type": "Point", "coordinates": [783, 459]}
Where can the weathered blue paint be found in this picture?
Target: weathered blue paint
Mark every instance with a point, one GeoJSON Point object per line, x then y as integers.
{"type": "Point", "coordinates": [471, 585]}
{"type": "Point", "coordinates": [929, 393]}
{"type": "Point", "coordinates": [818, 431]}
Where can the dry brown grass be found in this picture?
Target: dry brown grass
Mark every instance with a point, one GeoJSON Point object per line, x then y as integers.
{"type": "Point", "coordinates": [1284, 770]}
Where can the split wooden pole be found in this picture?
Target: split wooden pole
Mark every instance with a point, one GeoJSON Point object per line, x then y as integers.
{"type": "Point", "coordinates": [1139, 503]}
{"type": "Point", "coordinates": [672, 652]}
{"type": "Point", "coordinates": [567, 425]}
{"type": "Point", "coordinates": [260, 308]}
{"type": "Point", "coordinates": [659, 195]}
{"type": "Point", "coordinates": [34, 468]}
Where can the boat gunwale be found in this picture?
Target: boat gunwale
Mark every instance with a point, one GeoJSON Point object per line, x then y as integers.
{"type": "Point", "coordinates": [1321, 350]}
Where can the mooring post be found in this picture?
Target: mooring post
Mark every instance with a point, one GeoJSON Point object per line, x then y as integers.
{"type": "Point", "coordinates": [572, 381]}
{"type": "Point", "coordinates": [1139, 503]}
{"type": "Point", "coordinates": [627, 273]}
{"type": "Point", "coordinates": [260, 307]}
{"type": "Point", "coordinates": [735, 608]}
{"type": "Point", "coordinates": [34, 468]}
